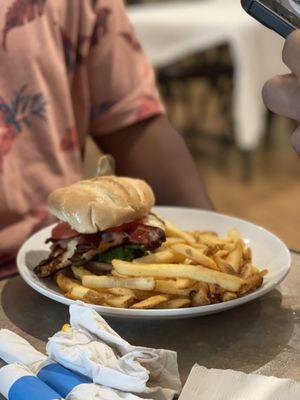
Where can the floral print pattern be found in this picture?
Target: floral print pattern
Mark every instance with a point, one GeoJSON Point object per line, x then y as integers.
{"type": "Point", "coordinates": [131, 40]}
{"type": "Point", "coordinates": [69, 140]}
{"type": "Point", "coordinates": [101, 27]}
{"type": "Point", "coordinates": [20, 13]}
{"type": "Point", "coordinates": [17, 114]}
{"type": "Point", "coordinates": [101, 108]}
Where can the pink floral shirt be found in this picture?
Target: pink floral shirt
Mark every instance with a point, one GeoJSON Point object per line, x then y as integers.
{"type": "Point", "coordinates": [68, 69]}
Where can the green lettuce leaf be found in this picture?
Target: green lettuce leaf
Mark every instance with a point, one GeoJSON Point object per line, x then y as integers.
{"type": "Point", "coordinates": [125, 252]}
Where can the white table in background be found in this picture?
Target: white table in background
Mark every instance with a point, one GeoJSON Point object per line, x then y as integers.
{"type": "Point", "coordinates": [170, 31]}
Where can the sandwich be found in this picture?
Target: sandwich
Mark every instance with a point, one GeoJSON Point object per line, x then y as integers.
{"type": "Point", "coordinates": [100, 220]}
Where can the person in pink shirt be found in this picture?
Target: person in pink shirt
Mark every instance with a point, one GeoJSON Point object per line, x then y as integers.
{"type": "Point", "coordinates": [69, 69]}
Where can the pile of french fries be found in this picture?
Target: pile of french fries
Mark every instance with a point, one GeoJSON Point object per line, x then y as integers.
{"type": "Point", "coordinates": [190, 269]}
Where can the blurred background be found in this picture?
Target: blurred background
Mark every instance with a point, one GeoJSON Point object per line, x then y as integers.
{"type": "Point", "coordinates": [211, 60]}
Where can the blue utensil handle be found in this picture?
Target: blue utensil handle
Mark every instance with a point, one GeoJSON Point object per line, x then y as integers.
{"type": "Point", "coordinates": [61, 379]}
{"type": "Point", "coordinates": [32, 388]}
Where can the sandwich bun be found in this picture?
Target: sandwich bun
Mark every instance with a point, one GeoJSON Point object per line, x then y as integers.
{"type": "Point", "coordinates": [104, 202]}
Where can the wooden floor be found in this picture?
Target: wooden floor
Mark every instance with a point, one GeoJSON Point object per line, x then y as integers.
{"type": "Point", "coordinates": [271, 199]}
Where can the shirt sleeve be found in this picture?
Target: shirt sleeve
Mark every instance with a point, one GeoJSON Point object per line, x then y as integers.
{"type": "Point", "coordinates": [122, 82]}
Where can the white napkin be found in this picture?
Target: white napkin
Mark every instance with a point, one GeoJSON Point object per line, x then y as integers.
{"type": "Point", "coordinates": [213, 384]}
{"type": "Point", "coordinates": [92, 348]}
{"type": "Point", "coordinates": [96, 392]}
{"type": "Point", "coordinates": [15, 349]}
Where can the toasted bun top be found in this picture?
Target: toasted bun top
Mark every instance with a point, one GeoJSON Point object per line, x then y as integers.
{"type": "Point", "coordinates": [97, 204]}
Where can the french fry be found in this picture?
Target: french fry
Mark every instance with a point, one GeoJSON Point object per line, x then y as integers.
{"type": "Point", "coordinates": [200, 246]}
{"type": "Point", "coordinates": [87, 295]}
{"type": "Point", "coordinates": [215, 292]}
{"type": "Point", "coordinates": [117, 275]}
{"type": "Point", "coordinates": [233, 235]}
{"type": "Point", "coordinates": [173, 231]}
{"type": "Point", "coordinates": [200, 300]}
{"type": "Point", "coordinates": [223, 265]}
{"type": "Point", "coordinates": [213, 242]}
{"type": "Point", "coordinates": [195, 254]}
{"type": "Point", "coordinates": [204, 287]}
{"type": "Point", "coordinates": [120, 301]}
{"type": "Point", "coordinates": [184, 283]}
{"type": "Point", "coordinates": [65, 283]}
{"type": "Point", "coordinates": [172, 240]}
{"type": "Point", "coordinates": [163, 257]}
{"type": "Point", "coordinates": [252, 283]}
{"type": "Point", "coordinates": [151, 302]}
{"type": "Point", "coordinates": [201, 297]}
{"type": "Point", "coordinates": [175, 303]}
{"type": "Point", "coordinates": [144, 294]}
{"type": "Point", "coordinates": [228, 246]}
{"type": "Point", "coordinates": [79, 272]}
{"type": "Point", "coordinates": [100, 282]}
{"type": "Point", "coordinates": [221, 253]}
{"type": "Point", "coordinates": [264, 272]}
{"type": "Point", "coordinates": [159, 249]}
{"type": "Point", "coordinates": [247, 256]}
{"type": "Point", "coordinates": [249, 270]}
{"type": "Point", "coordinates": [214, 289]}
{"type": "Point", "coordinates": [196, 272]}
{"type": "Point", "coordinates": [74, 291]}
{"type": "Point", "coordinates": [200, 233]}
{"type": "Point", "coordinates": [227, 296]}
{"type": "Point", "coordinates": [169, 286]}
{"type": "Point", "coordinates": [208, 239]}
{"type": "Point", "coordinates": [235, 258]}
{"type": "Point", "coordinates": [121, 292]}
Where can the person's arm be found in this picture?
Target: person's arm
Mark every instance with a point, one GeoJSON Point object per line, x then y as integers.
{"type": "Point", "coordinates": [154, 151]}
{"type": "Point", "coordinates": [127, 115]}
{"type": "Point", "coordinates": [281, 94]}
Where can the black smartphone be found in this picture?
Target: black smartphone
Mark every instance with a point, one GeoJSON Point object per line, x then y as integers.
{"type": "Point", "coordinates": [282, 16]}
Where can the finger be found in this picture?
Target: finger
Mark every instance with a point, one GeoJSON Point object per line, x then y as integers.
{"type": "Point", "coordinates": [296, 140]}
{"type": "Point", "coordinates": [291, 53]}
{"type": "Point", "coordinates": [281, 95]}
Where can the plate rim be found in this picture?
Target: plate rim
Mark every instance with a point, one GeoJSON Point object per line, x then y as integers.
{"type": "Point", "coordinates": [160, 313]}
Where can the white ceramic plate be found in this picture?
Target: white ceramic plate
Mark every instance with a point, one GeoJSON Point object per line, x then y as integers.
{"type": "Point", "coordinates": [268, 250]}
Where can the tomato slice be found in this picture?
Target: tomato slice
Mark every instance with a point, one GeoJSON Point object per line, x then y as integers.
{"type": "Point", "coordinates": [125, 227]}
{"type": "Point", "coordinates": [63, 231]}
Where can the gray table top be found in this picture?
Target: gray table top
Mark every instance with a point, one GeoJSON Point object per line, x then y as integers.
{"type": "Point", "coordinates": [263, 335]}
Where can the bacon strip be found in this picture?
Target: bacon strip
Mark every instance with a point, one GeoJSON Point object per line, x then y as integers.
{"type": "Point", "coordinates": [149, 236]}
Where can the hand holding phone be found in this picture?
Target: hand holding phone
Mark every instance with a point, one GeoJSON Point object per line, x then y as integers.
{"type": "Point", "coordinates": [282, 16]}
{"type": "Point", "coordinates": [281, 94]}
